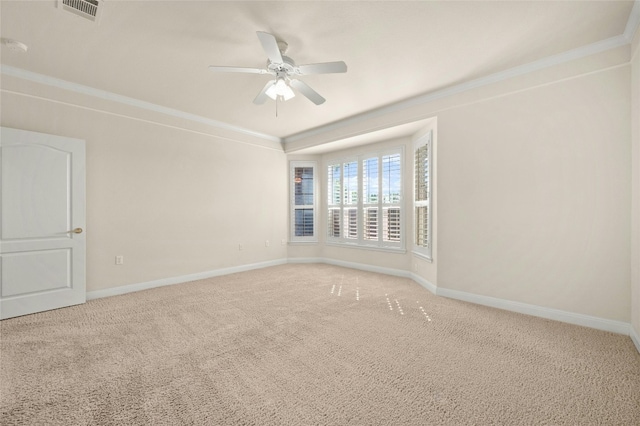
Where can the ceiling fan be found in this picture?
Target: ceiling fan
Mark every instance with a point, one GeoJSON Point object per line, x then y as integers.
{"type": "Point", "coordinates": [284, 69]}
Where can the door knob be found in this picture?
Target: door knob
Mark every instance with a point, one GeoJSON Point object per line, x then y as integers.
{"type": "Point", "coordinates": [77, 231]}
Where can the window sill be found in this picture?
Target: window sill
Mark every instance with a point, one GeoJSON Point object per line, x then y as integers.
{"type": "Point", "coordinates": [302, 243]}
{"type": "Point", "coordinates": [422, 256]}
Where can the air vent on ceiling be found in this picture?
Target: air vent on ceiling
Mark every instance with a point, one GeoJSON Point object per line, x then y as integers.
{"type": "Point", "coordinates": [88, 9]}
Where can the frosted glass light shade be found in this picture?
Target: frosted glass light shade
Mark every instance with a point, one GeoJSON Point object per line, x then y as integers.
{"type": "Point", "coordinates": [280, 89]}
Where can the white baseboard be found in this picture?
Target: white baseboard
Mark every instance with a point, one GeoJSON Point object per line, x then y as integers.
{"type": "Point", "coordinates": [538, 311]}
{"type": "Point", "coordinates": [352, 265]}
{"type": "Point", "coordinates": [635, 337]}
{"type": "Point", "coordinates": [424, 283]}
{"type": "Point", "coordinates": [508, 305]}
{"type": "Point", "coordinates": [115, 291]}
{"type": "Point", "coordinates": [305, 260]}
{"type": "Point", "coordinates": [369, 268]}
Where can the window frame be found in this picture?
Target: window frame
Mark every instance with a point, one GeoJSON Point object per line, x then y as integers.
{"type": "Point", "coordinates": [293, 165]}
{"type": "Point", "coordinates": [425, 252]}
{"type": "Point", "coordinates": [361, 242]}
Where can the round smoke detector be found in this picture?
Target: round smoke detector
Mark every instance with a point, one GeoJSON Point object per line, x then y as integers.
{"type": "Point", "coordinates": [15, 45]}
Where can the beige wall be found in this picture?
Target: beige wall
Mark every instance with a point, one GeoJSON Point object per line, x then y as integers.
{"type": "Point", "coordinates": [172, 201]}
{"type": "Point", "coordinates": [635, 213]}
{"type": "Point", "coordinates": [534, 196]}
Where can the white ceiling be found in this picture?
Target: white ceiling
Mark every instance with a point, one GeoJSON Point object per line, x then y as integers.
{"type": "Point", "coordinates": [159, 51]}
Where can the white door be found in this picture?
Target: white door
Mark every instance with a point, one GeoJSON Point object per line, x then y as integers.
{"type": "Point", "coordinates": [42, 234]}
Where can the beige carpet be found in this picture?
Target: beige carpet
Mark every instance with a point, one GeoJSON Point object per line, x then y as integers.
{"type": "Point", "coordinates": [309, 345]}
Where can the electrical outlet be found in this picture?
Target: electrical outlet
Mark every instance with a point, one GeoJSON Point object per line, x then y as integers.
{"type": "Point", "coordinates": [119, 260]}
{"type": "Point", "coordinates": [415, 267]}
{"type": "Point", "coordinates": [266, 243]}
{"type": "Point", "coordinates": [240, 247]}
{"type": "Point", "coordinates": [283, 242]}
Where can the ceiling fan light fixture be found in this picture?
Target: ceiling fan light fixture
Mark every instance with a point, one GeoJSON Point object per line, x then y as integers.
{"type": "Point", "coordinates": [284, 69]}
{"type": "Point", "coordinates": [280, 88]}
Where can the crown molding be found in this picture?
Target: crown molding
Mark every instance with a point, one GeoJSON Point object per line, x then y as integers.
{"type": "Point", "coordinates": [633, 22]}
{"type": "Point", "coordinates": [109, 96]}
{"type": "Point", "coordinates": [611, 43]}
{"type": "Point", "coordinates": [570, 55]}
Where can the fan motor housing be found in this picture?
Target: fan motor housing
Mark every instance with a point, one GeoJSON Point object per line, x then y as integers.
{"type": "Point", "coordinates": [288, 65]}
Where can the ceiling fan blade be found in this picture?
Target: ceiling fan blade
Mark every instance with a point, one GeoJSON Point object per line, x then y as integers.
{"type": "Point", "coordinates": [238, 69]}
{"type": "Point", "coordinates": [270, 46]}
{"type": "Point", "coordinates": [262, 96]}
{"type": "Point", "coordinates": [323, 68]}
{"type": "Point", "coordinates": [307, 91]}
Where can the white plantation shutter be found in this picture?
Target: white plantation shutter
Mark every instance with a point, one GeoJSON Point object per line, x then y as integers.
{"type": "Point", "coordinates": [370, 223]}
{"type": "Point", "coordinates": [371, 198]}
{"type": "Point", "coordinates": [370, 183]}
{"type": "Point", "coordinates": [350, 197]}
{"type": "Point", "coordinates": [391, 223]}
{"type": "Point", "coordinates": [391, 179]}
{"type": "Point", "coordinates": [334, 199]}
{"type": "Point", "coordinates": [422, 195]}
{"type": "Point", "coordinates": [334, 185]}
{"type": "Point", "coordinates": [422, 228]}
{"type": "Point", "coordinates": [351, 223]}
{"type": "Point", "coordinates": [303, 201]}
{"type": "Point", "coordinates": [333, 222]}
{"type": "Point", "coordinates": [364, 197]}
{"type": "Point", "coordinates": [391, 191]}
